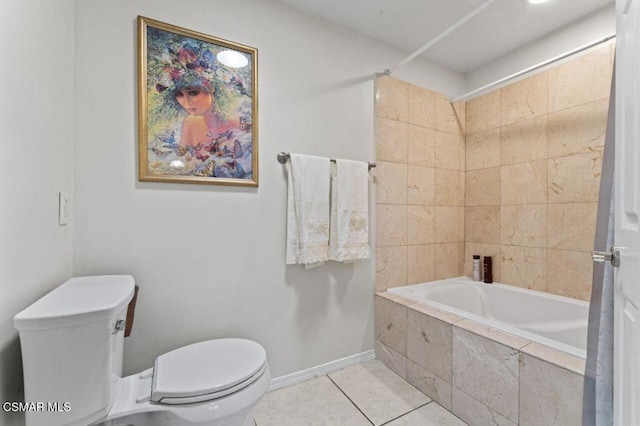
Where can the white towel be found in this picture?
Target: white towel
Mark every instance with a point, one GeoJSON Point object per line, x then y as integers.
{"type": "Point", "coordinates": [308, 210]}
{"type": "Point", "coordinates": [349, 237]}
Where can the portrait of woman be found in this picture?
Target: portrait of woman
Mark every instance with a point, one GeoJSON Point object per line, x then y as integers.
{"type": "Point", "coordinates": [199, 108]}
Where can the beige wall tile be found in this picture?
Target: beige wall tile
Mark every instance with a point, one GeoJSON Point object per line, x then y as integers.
{"type": "Point", "coordinates": [447, 187]}
{"type": "Point", "coordinates": [391, 140]}
{"type": "Point", "coordinates": [524, 267]}
{"type": "Point", "coordinates": [421, 224]}
{"type": "Point", "coordinates": [421, 266]}
{"type": "Point", "coordinates": [524, 183]}
{"type": "Point", "coordinates": [572, 226]}
{"type": "Point", "coordinates": [391, 324]}
{"type": "Point", "coordinates": [391, 225]}
{"type": "Point", "coordinates": [460, 258]}
{"type": "Point", "coordinates": [482, 224]}
{"type": "Point", "coordinates": [422, 106]}
{"type": "Point", "coordinates": [448, 147]}
{"type": "Point", "coordinates": [391, 183]}
{"type": "Point", "coordinates": [487, 371]}
{"type": "Point", "coordinates": [483, 113]}
{"type": "Point", "coordinates": [462, 189]}
{"type": "Point", "coordinates": [392, 98]}
{"type": "Point", "coordinates": [483, 187]}
{"type": "Point", "coordinates": [429, 343]}
{"type": "Point", "coordinates": [446, 261]}
{"type": "Point", "coordinates": [493, 250]}
{"type": "Point", "coordinates": [391, 267]}
{"type": "Point", "coordinates": [429, 384]}
{"type": "Point", "coordinates": [461, 224]}
{"type": "Point", "coordinates": [463, 153]}
{"type": "Point", "coordinates": [483, 149]}
{"type": "Point", "coordinates": [524, 99]}
{"type": "Point", "coordinates": [581, 80]}
{"type": "Point", "coordinates": [578, 130]}
{"type": "Point", "coordinates": [569, 273]}
{"type": "Point", "coordinates": [549, 395]}
{"type": "Point", "coordinates": [474, 412]}
{"type": "Point", "coordinates": [461, 110]}
{"type": "Point", "coordinates": [449, 117]}
{"type": "Point", "coordinates": [393, 360]}
{"type": "Point", "coordinates": [447, 225]}
{"type": "Point", "coordinates": [421, 146]}
{"type": "Point", "coordinates": [575, 179]}
{"type": "Point", "coordinates": [422, 185]}
{"type": "Point", "coordinates": [524, 225]}
{"type": "Point", "coordinates": [613, 53]}
{"type": "Point", "coordinates": [524, 141]}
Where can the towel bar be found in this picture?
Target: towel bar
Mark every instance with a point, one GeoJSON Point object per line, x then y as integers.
{"type": "Point", "coordinates": [283, 157]}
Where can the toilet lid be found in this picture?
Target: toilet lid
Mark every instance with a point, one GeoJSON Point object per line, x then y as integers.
{"type": "Point", "coordinates": [206, 370]}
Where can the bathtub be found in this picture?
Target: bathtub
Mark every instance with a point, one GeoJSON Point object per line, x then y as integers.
{"type": "Point", "coordinates": [554, 321]}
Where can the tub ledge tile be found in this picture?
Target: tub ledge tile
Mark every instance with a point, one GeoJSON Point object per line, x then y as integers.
{"type": "Point", "coordinates": [448, 317]}
{"type": "Point", "coordinates": [492, 334]}
{"type": "Point", "coordinates": [556, 357]}
{"type": "Point", "coordinates": [395, 298]}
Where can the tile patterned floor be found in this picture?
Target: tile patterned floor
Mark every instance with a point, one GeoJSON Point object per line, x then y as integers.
{"type": "Point", "coordinates": [365, 394]}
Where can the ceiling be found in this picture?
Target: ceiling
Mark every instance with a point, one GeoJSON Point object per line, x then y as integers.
{"type": "Point", "coordinates": [502, 27]}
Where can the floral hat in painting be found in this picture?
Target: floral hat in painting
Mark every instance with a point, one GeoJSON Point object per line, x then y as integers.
{"type": "Point", "coordinates": [176, 63]}
{"type": "Point", "coordinates": [190, 66]}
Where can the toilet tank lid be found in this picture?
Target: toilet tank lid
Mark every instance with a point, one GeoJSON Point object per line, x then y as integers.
{"type": "Point", "coordinates": [80, 300]}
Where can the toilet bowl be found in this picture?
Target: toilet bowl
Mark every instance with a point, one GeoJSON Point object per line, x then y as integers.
{"type": "Point", "coordinates": [72, 347]}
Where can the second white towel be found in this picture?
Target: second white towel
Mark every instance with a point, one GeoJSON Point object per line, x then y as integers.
{"type": "Point", "coordinates": [349, 235]}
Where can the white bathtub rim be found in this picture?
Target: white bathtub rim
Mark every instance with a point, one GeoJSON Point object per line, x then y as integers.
{"type": "Point", "coordinates": [505, 286]}
{"type": "Point", "coordinates": [499, 325]}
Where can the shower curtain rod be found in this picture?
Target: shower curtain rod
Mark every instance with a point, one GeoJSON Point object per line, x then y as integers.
{"type": "Point", "coordinates": [482, 89]}
{"type": "Point", "coordinates": [440, 36]}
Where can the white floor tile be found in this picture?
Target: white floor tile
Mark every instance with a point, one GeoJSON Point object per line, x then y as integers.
{"type": "Point", "coordinates": [431, 414]}
{"type": "Point", "coordinates": [317, 402]}
{"type": "Point", "coordinates": [377, 391]}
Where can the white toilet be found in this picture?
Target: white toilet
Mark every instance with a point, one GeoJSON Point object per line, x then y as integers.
{"type": "Point", "coordinates": [72, 347]}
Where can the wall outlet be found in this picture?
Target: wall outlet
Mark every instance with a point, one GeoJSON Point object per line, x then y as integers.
{"type": "Point", "coordinates": [64, 208]}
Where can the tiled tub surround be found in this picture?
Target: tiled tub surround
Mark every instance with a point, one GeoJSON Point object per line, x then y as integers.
{"type": "Point", "coordinates": [481, 374]}
{"type": "Point", "coordinates": [419, 185]}
{"type": "Point", "coordinates": [533, 161]}
{"type": "Point", "coordinates": [528, 158]}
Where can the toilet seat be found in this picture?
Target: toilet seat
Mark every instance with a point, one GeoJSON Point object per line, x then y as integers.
{"type": "Point", "coordinates": [206, 370]}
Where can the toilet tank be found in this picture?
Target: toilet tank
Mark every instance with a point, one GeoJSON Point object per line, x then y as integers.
{"type": "Point", "coordinates": [72, 349]}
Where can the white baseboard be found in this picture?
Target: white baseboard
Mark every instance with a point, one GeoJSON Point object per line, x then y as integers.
{"type": "Point", "coordinates": [319, 370]}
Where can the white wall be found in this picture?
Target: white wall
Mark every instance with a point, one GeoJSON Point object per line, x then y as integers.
{"type": "Point", "coordinates": [597, 25]}
{"type": "Point", "coordinates": [36, 132]}
{"type": "Point", "coordinates": [210, 259]}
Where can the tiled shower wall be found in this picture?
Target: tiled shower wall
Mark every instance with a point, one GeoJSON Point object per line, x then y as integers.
{"type": "Point", "coordinates": [533, 162]}
{"type": "Point", "coordinates": [522, 189]}
{"type": "Point", "coordinates": [419, 185]}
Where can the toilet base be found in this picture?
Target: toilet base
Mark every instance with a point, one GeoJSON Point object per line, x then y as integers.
{"type": "Point", "coordinates": [169, 419]}
{"type": "Point", "coordinates": [232, 410]}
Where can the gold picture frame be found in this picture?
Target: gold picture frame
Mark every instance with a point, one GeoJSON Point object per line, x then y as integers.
{"type": "Point", "coordinates": [197, 107]}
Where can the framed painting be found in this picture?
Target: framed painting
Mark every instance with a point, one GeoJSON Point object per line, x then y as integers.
{"type": "Point", "coordinates": [197, 107]}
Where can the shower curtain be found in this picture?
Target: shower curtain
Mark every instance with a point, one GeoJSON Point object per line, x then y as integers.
{"type": "Point", "coordinates": [597, 407]}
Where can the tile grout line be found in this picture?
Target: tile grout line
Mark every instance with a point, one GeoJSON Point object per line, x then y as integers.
{"type": "Point", "coordinates": [350, 400]}
{"type": "Point", "coordinates": [404, 414]}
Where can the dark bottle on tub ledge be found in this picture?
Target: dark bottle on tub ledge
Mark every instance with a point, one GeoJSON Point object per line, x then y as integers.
{"type": "Point", "coordinates": [487, 269]}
